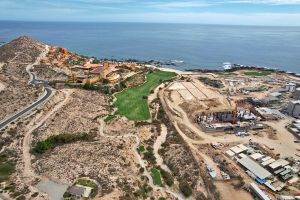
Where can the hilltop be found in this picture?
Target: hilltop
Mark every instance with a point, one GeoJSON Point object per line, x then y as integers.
{"type": "Point", "coordinates": [23, 49]}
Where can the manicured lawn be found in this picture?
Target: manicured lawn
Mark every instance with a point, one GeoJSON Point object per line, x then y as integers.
{"type": "Point", "coordinates": [87, 183]}
{"type": "Point", "coordinates": [258, 73]}
{"type": "Point", "coordinates": [156, 177]}
{"type": "Point", "coordinates": [132, 102]}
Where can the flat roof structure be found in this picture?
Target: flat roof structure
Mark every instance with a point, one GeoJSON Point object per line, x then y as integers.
{"type": "Point", "coordinates": [279, 163]}
{"type": "Point", "coordinates": [276, 94]}
{"type": "Point", "coordinates": [236, 149]}
{"type": "Point", "coordinates": [259, 192]}
{"type": "Point", "coordinates": [256, 156]}
{"type": "Point", "coordinates": [243, 147]}
{"type": "Point", "coordinates": [267, 162]}
{"type": "Point", "coordinates": [254, 167]}
{"type": "Point", "coordinates": [230, 153]}
{"type": "Point", "coordinates": [87, 190]}
{"type": "Point", "coordinates": [242, 155]}
{"type": "Point", "coordinates": [265, 159]}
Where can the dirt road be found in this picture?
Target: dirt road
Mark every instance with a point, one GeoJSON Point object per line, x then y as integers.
{"type": "Point", "coordinates": [140, 160]}
{"type": "Point", "coordinates": [285, 145]}
{"type": "Point", "coordinates": [28, 172]}
{"type": "Point", "coordinates": [157, 145]}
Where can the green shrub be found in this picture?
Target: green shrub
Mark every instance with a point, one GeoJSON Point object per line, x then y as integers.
{"type": "Point", "coordinates": [55, 140]}
{"type": "Point", "coordinates": [22, 197]}
{"type": "Point", "coordinates": [6, 169]}
{"type": "Point", "coordinates": [109, 118]}
{"type": "Point", "coordinates": [185, 188]}
{"type": "Point", "coordinates": [141, 149]}
{"type": "Point", "coordinates": [168, 178]}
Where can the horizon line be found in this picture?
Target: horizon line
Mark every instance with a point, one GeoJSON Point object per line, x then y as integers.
{"type": "Point", "coordinates": [136, 22]}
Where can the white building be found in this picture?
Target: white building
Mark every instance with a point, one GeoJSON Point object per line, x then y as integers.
{"type": "Point", "coordinates": [290, 87]}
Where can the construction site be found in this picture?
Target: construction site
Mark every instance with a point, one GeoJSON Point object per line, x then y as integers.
{"type": "Point", "coordinates": [260, 111]}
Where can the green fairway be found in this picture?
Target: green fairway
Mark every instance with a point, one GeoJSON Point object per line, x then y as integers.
{"type": "Point", "coordinates": [156, 177]}
{"type": "Point", "coordinates": [258, 73]}
{"type": "Point", "coordinates": [132, 102]}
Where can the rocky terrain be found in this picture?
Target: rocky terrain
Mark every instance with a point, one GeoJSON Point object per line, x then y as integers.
{"type": "Point", "coordinates": [79, 114]}
{"type": "Point", "coordinates": [16, 93]}
{"type": "Point", "coordinates": [104, 160]}
{"type": "Point", "coordinates": [21, 50]}
{"type": "Point", "coordinates": [47, 73]}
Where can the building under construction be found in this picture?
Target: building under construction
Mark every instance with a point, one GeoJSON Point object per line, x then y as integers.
{"type": "Point", "coordinates": [225, 120]}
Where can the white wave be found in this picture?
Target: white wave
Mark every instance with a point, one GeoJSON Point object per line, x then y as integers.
{"type": "Point", "coordinates": [227, 65]}
{"type": "Point", "coordinates": [177, 61]}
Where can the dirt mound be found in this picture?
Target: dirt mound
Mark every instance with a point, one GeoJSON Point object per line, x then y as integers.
{"type": "Point", "coordinates": [23, 49]}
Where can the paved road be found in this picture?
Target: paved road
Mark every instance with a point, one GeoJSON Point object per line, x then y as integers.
{"type": "Point", "coordinates": [23, 112]}
{"type": "Point", "coordinates": [34, 81]}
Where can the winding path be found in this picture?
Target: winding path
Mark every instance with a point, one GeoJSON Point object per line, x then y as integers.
{"type": "Point", "coordinates": [28, 172]}
{"type": "Point", "coordinates": [140, 160]}
{"type": "Point", "coordinates": [48, 92]}
{"type": "Point", "coordinates": [159, 141]}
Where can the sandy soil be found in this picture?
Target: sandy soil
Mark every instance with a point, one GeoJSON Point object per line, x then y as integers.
{"type": "Point", "coordinates": [2, 86]}
{"type": "Point", "coordinates": [228, 192]}
{"type": "Point", "coordinates": [157, 145]}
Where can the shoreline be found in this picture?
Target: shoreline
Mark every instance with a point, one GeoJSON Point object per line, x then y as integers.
{"type": "Point", "coordinates": [235, 67]}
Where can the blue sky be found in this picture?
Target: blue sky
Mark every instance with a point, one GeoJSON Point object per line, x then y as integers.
{"type": "Point", "coordinates": [244, 12]}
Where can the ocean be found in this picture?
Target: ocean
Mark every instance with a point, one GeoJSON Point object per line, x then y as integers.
{"type": "Point", "coordinates": [186, 46]}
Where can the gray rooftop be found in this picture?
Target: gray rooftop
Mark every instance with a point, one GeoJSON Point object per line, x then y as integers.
{"type": "Point", "coordinates": [76, 191]}
{"type": "Point", "coordinates": [254, 167]}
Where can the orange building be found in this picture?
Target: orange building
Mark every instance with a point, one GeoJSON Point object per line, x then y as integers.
{"type": "Point", "coordinates": [106, 64]}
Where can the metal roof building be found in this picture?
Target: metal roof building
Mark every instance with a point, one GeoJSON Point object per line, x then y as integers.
{"type": "Point", "coordinates": [236, 150]}
{"type": "Point", "coordinates": [255, 168]}
{"type": "Point", "coordinates": [279, 163]}
{"type": "Point", "coordinates": [256, 156]}
{"type": "Point", "coordinates": [265, 159]}
{"type": "Point", "coordinates": [267, 162]}
{"type": "Point", "coordinates": [243, 147]}
{"type": "Point", "coordinates": [259, 192]}
{"type": "Point", "coordinates": [230, 153]}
